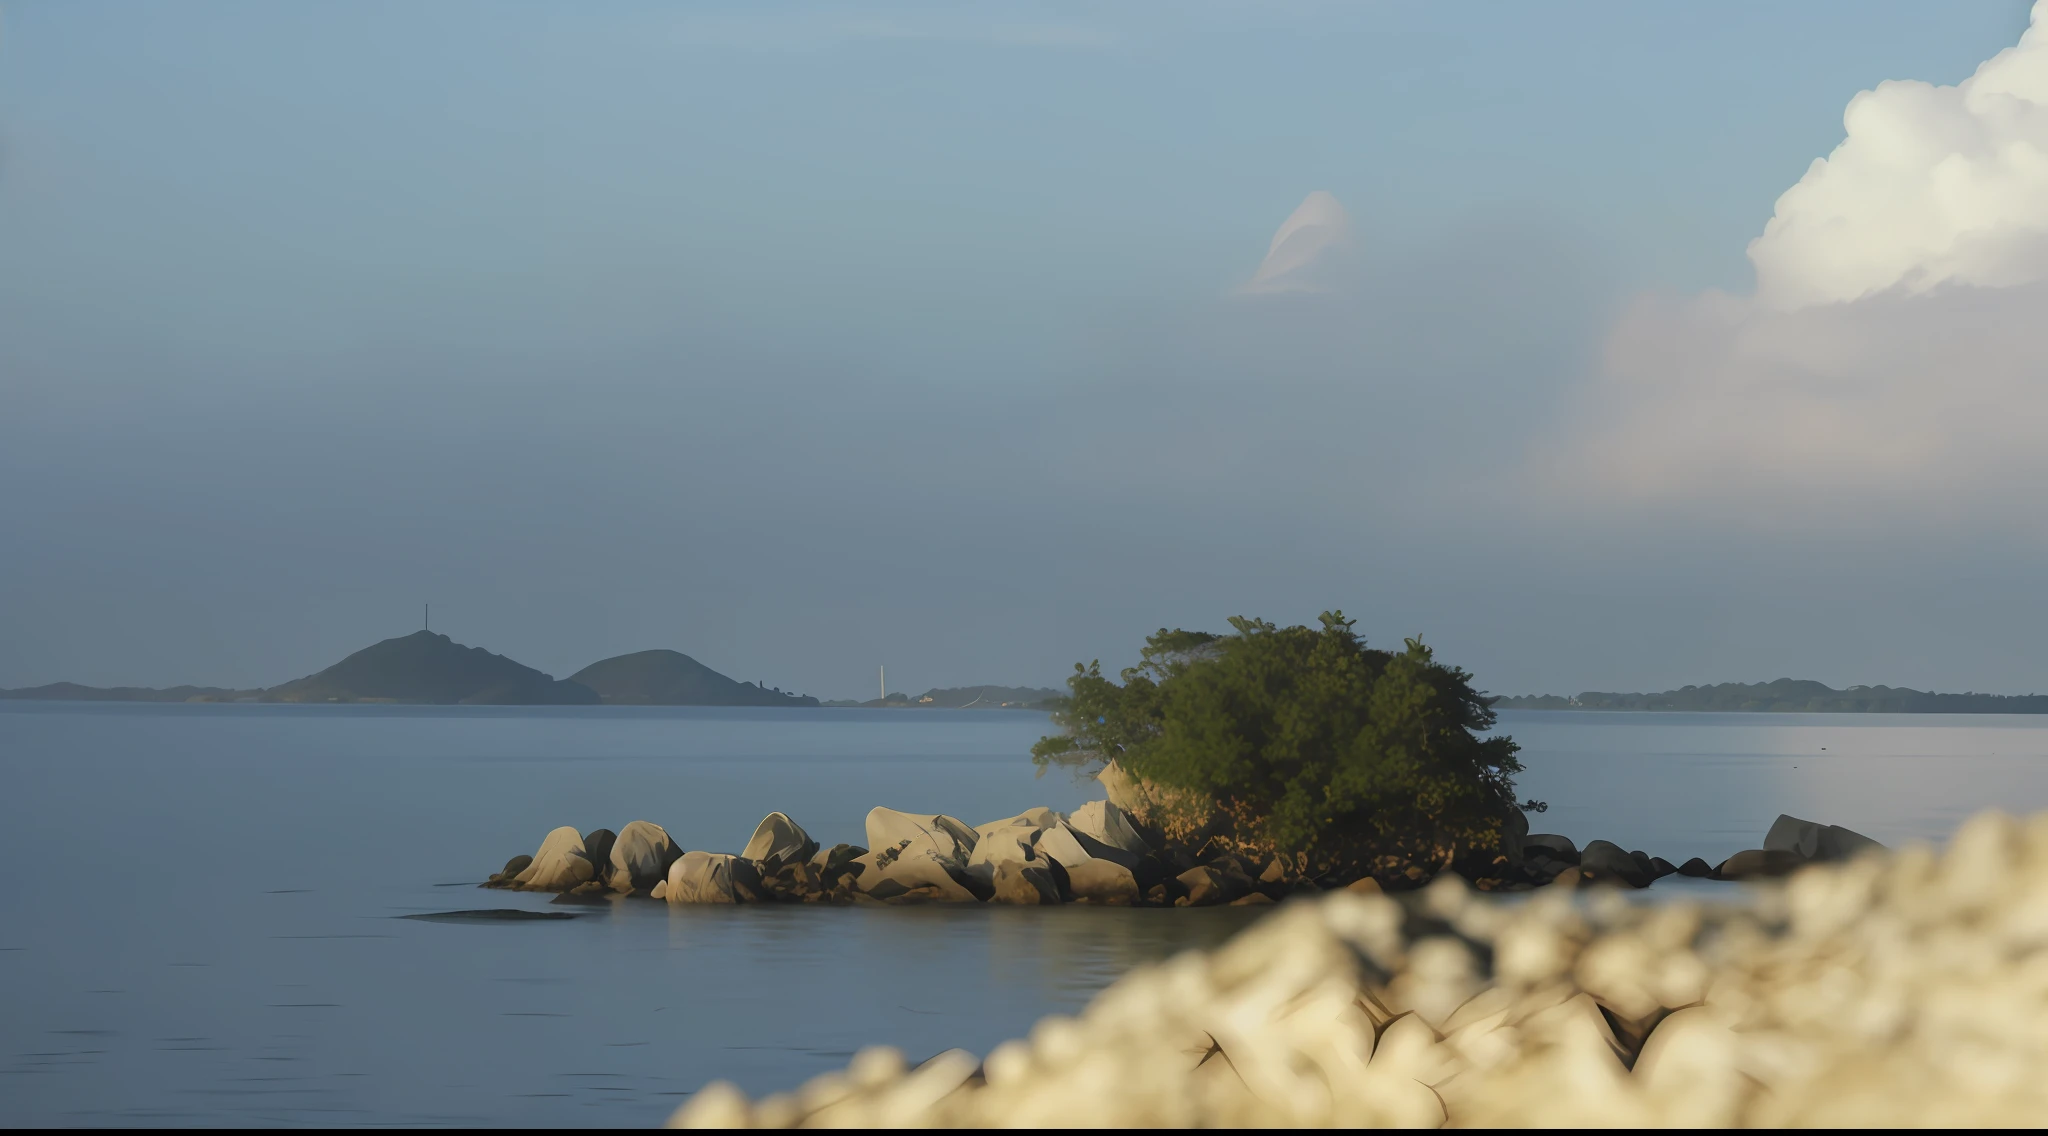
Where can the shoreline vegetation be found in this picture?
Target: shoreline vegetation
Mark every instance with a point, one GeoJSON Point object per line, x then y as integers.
{"type": "Point", "coordinates": [1785, 696]}
{"type": "Point", "coordinates": [425, 669]}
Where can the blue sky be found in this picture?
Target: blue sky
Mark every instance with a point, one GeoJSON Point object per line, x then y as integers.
{"type": "Point", "coordinates": [806, 337]}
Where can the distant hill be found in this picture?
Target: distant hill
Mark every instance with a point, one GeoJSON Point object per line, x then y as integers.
{"type": "Point", "coordinates": [432, 669]}
{"type": "Point", "coordinates": [670, 678]}
{"type": "Point", "coordinates": [1789, 695]}
{"type": "Point", "coordinates": [72, 692]}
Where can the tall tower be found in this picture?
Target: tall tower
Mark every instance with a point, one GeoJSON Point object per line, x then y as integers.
{"type": "Point", "coordinates": [882, 680]}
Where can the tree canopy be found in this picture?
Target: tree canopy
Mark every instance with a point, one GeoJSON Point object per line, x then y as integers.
{"type": "Point", "coordinates": [1315, 745]}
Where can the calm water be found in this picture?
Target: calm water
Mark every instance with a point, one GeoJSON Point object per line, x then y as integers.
{"type": "Point", "coordinates": [201, 924]}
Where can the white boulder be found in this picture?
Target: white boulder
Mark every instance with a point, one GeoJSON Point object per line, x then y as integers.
{"type": "Point", "coordinates": [887, 873]}
{"type": "Point", "coordinates": [1062, 843]}
{"type": "Point", "coordinates": [701, 877]}
{"type": "Point", "coordinates": [1106, 824]}
{"type": "Point", "coordinates": [949, 838]}
{"type": "Point", "coordinates": [560, 864]}
{"type": "Point", "coordinates": [778, 840]}
{"type": "Point", "coordinates": [1008, 840]}
{"type": "Point", "coordinates": [1100, 881]}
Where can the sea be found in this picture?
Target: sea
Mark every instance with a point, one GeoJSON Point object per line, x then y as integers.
{"type": "Point", "coordinates": [209, 917]}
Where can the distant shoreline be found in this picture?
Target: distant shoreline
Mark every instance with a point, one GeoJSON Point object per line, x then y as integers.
{"type": "Point", "coordinates": [1785, 696]}
{"type": "Point", "coordinates": [97, 700]}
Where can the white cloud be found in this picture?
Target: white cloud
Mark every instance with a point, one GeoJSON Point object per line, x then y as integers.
{"type": "Point", "coordinates": [1932, 185]}
{"type": "Point", "coordinates": [1892, 357]}
{"type": "Point", "coordinates": [1308, 250]}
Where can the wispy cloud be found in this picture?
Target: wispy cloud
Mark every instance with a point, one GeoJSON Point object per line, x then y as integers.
{"type": "Point", "coordinates": [814, 29]}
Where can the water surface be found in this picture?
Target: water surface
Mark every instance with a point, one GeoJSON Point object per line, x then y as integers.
{"type": "Point", "coordinates": [205, 919]}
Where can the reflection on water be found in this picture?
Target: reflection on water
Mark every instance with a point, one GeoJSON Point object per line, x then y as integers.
{"type": "Point", "coordinates": [215, 941]}
{"type": "Point", "coordinates": [1680, 785]}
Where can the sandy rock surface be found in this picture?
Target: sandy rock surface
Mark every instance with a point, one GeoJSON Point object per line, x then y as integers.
{"type": "Point", "coordinates": [778, 840]}
{"type": "Point", "coordinates": [560, 864]}
{"type": "Point", "coordinates": [1902, 989]}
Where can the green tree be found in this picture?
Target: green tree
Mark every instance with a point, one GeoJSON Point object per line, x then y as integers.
{"type": "Point", "coordinates": [1316, 746]}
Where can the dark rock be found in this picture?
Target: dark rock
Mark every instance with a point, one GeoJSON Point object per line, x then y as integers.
{"type": "Point", "coordinates": [1513, 834]}
{"type": "Point", "coordinates": [1151, 871]}
{"type": "Point", "coordinates": [838, 861]}
{"type": "Point", "coordinates": [1062, 880]}
{"type": "Point", "coordinates": [1606, 862]}
{"type": "Point", "coordinates": [1812, 840]}
{"type": "Point", "coordinates": [515, 865]}
{"type": "Point", "coordinates": [1207, 885]}
{"type": "Point", "coordinates": [1759, 864]}
{"type": "Point", "coordinates": [598, 846]}
{"type": "Point", "coordinates": [1696, 868]}
{"type": "Point", "coordinates": [1255, 899]}
{"type": "Point", "coordinates": [1660, 867]}
{"type": "Point", "coordinates": [583, 896]}
{"type": "Point", "coordinates": [1558, 848]}
{"type": "Point", "coordinates": [746, 881]}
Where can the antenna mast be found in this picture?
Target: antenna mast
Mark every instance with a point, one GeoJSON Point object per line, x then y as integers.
{"type": "Point", "coordinates": [882, 680]}
{"type": "Point", "coordinates": [426, 617]}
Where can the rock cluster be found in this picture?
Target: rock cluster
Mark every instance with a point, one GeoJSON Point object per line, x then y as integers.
{"type": "Point", "coordinates": [1038, 857]}
{"type": "Point", "coordinates": [1791, 844]}
{"type": "Point", "coordinates": [1884, 989]}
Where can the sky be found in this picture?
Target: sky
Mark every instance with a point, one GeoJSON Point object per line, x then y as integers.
{"type": "Point", "coordinates": [1605, 345]}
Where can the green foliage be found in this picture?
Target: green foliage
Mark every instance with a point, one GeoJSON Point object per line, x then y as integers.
{"type": "Point", "coordinates": [1317, 746]}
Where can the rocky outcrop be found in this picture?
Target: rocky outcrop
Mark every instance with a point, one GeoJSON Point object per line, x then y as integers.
{"type": "Point", "coordinates": [1889, 990]}
{"type": "Point", "coordinates": [559, 865]}
{"type": "Point", "coordinates": [778, 840]}
{"type": "Point", "coordinates": [932, 857]}
{"type": "Point", "coordinates": [641, 857]}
